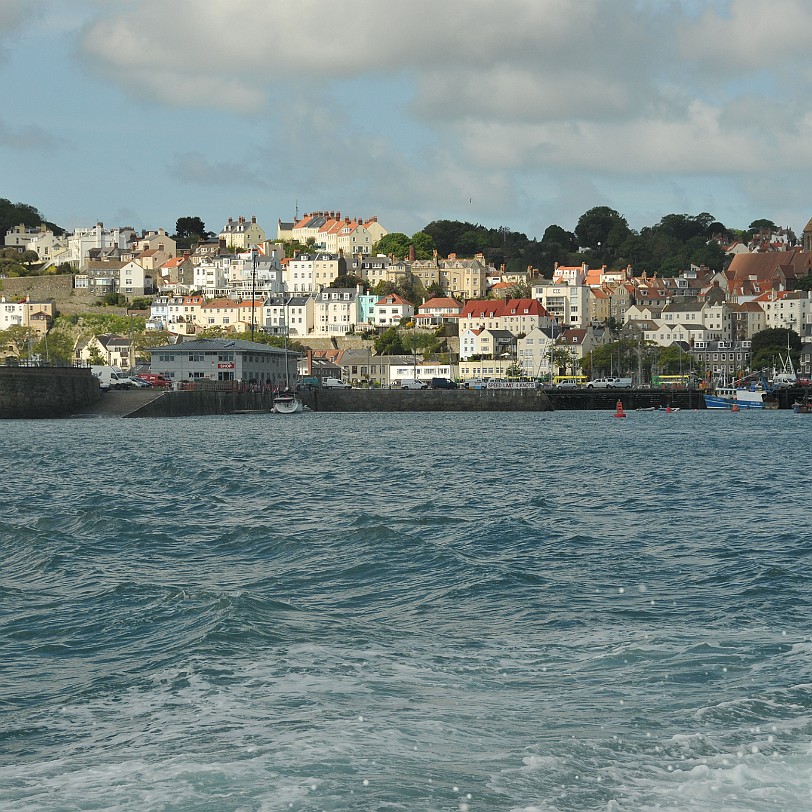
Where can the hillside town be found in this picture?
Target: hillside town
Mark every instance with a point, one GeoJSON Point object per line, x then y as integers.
{"type": "Point", "coordinates": [336, 294]}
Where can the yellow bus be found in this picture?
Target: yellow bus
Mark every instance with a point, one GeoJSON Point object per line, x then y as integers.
{"type": "Point", "coordinates": [569, 381]}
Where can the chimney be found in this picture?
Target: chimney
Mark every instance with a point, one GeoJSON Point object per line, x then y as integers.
{"type": "Point", "coordinates": [230, 220]}
{"type": "Point", "coordinates": [411, 253]}
{"type": "Point", "coordinates": [253, 219]}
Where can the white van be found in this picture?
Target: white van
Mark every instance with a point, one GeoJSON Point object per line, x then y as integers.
{"type": "Point", "coordinates": [334, 383]}
{"type": "Point", "coordinates": [784, 379]}
{"type": "Point", "coordinates": [111, 378]}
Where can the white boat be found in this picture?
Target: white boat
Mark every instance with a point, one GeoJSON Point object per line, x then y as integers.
{"type": "Point", "coordinates": [287, 403]}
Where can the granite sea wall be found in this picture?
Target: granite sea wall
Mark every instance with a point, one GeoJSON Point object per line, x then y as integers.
{"type": "Point", "coordinates": [43, 392]}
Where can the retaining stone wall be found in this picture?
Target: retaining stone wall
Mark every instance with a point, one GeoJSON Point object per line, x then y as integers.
{"type": "Point", "coordinates": [38, 392]}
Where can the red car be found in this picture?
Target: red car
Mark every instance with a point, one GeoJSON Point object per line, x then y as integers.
{"type": "Point", "coordinates": [154, 379]}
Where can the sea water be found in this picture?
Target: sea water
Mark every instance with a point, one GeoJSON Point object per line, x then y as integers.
{"type": "Point", "coordinates": [484, 611]}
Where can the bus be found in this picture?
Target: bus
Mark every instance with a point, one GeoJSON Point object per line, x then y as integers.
{"type": "Point", "coordinates": [569, 381]}
{"type": "Point", "coordinates": [674, 381]}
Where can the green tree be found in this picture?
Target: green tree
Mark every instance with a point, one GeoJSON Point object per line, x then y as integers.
{"type": "Point", "coordinates": [389, 342]}
{"type": "Point", "coordinates": [189, 230]}
{"type": "Point", "coordinates": [15, 214]}
{"type": "Point", "coordinates": [673, 360]}
{"type": "Point", "coordinates": [558, 236]}
{"type": "Point", "coordinates": [56, 346]}
{"type": "Point", "coordinates": [14, 341]}
{"type": "Point", "coordinates": [347, 280]}
{"type": "Point", "coordinates": [616, 357]}
{"type": "Point", "coordinates": [595, 226]}
{"type": "Point", "coordinates": [424, 246]}
{"type": "Point", "coordinates": [562, 360]}
{"type": "Point", "coordinates": [396, 244]}
{"type": "Point", "coordinates": [767, 345]}
{"type": "Point", "coordinates": [757, 225]}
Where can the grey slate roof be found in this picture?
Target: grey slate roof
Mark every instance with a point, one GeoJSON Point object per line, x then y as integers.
{"type": "Point", "coordinates": [232, 344]}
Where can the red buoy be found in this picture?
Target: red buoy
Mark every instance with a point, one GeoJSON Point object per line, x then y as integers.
{"type": "Point", "coordinates": [619, 410]}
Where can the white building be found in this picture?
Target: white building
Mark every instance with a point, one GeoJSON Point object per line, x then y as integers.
{"type": "Point", "coordinates": [568, 304]}
{"type": "Point", "coordinates": [335, 311]}
{"type": "Point", "coordinates": [82, 240]}
{"type": "Point", "coordinates": [534, 353]}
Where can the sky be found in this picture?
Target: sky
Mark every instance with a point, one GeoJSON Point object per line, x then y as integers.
{"type": "Point", "coordinates": [516, 113]}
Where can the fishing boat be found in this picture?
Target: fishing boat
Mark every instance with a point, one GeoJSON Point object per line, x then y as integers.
{"type": "Point", "coordinates": [751, 392]}
{"type": "Point", "coordinates": [723, 397]}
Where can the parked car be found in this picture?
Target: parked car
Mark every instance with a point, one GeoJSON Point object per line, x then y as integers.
{"type": "Point", "coordinates": [413, 384]}
{"type": "Point", "coordinates": [334, 383]}
{"type": "Point", "coordinates": [443, 383]}
{"type": "Point", "coordinates": [155, 379]}
{"type": "Point", "coordinates": [609, 383]}
{"type": "Point", "coordinates": [140, 383]}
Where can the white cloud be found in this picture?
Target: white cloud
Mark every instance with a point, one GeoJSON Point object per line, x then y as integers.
{"type": "Point", "coordinates": [607, 87]}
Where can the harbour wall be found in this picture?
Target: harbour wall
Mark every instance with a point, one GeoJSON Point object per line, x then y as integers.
{"type": "Point", "coordinates": [209, 402]}
{"type": "Point", "coordinates": [43, 392]}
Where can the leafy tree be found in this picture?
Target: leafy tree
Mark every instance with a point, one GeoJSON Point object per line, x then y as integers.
{"type": "Point", "coordinates": [15, 214]}
{"type": "Point", "coordinates": [521, 290]}
{"type": "Point", "coordinates": [389, 342]}
{"type": "Point", "coordinates": [113, 300]}
{"type": "Point", "coordinates": [767, 345]}
{"type": "Point", "coordinates": [424, 246]}
{"type": "Point", "coordinates": [615, 357]}
{"type": "Point", "coordinates": [15, 340]}
{"type": "Point", "coordinates": [56, 346]}
{"type": "Point", "coordinates": [145, 339]}
{"type": "Point", "coordinates": [95, 356]}
{"type": "Point", "coordinates": [595, 226]}
{"type": "Point", "coordinates": [559, 236]}
{"type": "Point", "coordinates": [673, 359]}
{"type": "Point", "coordinates": [396, 244]}
{"type": "Point", "coordinates": [435, 289]}
{"type": "Point", "coordinates": [189, 230]}
{"type": "Point", "coordinates": [562, 358]}
{"type": "Point", "coordinates": [757, 225]}
{"type": "Point", "coordinates": [804, 283]}
{"type": "Point", "coordinates": [346, 280]}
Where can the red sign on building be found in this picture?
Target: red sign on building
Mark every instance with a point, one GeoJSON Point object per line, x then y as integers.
{"type": "Point", "coordinates": [226, 365]}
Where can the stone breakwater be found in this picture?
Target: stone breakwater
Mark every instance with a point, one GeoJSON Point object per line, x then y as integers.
{"type": "Point", "coordinates": [43, 392]}
{"type": "Point", "coordinates": [201, 402]}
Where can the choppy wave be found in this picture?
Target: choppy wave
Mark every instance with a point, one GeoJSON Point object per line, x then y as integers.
{"type": "Point", "coordinates": [541, 612]}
